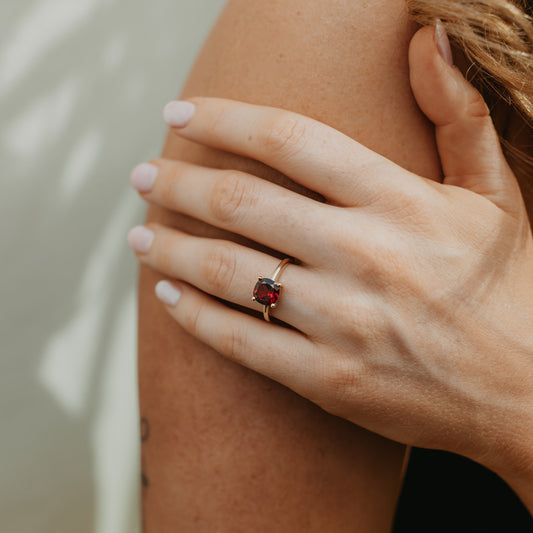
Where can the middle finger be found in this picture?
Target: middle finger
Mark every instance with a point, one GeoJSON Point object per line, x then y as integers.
{"type": "Point", "coordinates": [244, 204]}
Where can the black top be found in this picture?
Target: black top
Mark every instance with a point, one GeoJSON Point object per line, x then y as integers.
{"type": "Point", "coordinates": [448, 493]}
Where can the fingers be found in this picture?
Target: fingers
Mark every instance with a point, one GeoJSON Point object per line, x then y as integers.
{"type": "Point", "coordinates": [280, 353]}
{"type": "Point", "coordinates": [238, 202]}
{"type": "Point", "coordinates": [307, 151]}
{"type": "Point", "coordinates": [468, 144]}
{"type": "Point", "coordinates": [227, 270]}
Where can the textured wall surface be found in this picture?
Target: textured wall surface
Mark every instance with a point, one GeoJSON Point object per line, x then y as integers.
{"type": "Point", "coordinates": [82, 87]}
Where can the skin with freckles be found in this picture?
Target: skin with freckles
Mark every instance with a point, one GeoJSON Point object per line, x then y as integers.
{"type": "Point", "coordinates": [400, 333]}
{"type": "Point", "coordinates": [228, 449]}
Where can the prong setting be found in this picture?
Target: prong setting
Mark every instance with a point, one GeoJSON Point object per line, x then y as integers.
{"type": "Point", "coordinates": [266, 291]}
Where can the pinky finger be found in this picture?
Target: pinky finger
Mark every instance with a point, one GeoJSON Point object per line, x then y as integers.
{"type": "Point", "coordinates": [282, 354]}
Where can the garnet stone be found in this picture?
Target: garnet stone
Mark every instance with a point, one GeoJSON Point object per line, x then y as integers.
{"type": "Point", "coordinates": [266, 291]}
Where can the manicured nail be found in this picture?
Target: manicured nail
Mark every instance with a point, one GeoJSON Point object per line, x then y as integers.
{"type": "Point", "coordinates": [443, 43]}
{"type": "Point", "coordinates": [178, 113]}
{"type": "Point", "coordinates": [167, 293]}
{"type": "Point", "coordinates": [143, 177]}
{"type": "Point", "coordinates": [140, 239]}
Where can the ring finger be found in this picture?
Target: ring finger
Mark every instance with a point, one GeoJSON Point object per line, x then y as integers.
{"type": "Point", "coordinates": [225, 270]}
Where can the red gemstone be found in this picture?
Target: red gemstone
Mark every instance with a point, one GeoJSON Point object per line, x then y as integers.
{"type": "Point", "coordinates": [266, 292]}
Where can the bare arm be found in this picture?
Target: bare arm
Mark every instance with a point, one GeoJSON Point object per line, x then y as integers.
{"type": "Point", "coordinates": [227, 449]}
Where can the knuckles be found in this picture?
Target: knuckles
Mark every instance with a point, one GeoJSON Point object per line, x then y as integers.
{"type": "Point", "coordinates": [416, 208]}
{"type": "Point", "coordinates": [219, 268]}
{"type": "Point", "coordinates": [476, 107]}
{"type": "Point", "coordinates": [359, 317]}
{"type": "Point", "coordinates": [230, 197]}
{"type": "Point", "coordinates": [381, 260]}
{"type": "Point", "coordinates": [232, 342]}
{"type": "Point", "coordinates": [283, 134]}
{"type": "Point", "coordinates": [342, 381]}
{"type": "Point", "coordinates": [192, 319]}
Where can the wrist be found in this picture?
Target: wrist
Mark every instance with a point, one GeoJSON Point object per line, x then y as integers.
{"type": "Point", "coordinates": [520, 478]}
{"type": "Point", "coordinates": [500, 428]}
{"type": "Point", "coordinates": [512, 455]}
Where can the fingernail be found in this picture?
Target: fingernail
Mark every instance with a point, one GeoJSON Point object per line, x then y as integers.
{"type": "Point", "coordinates": [143, 177]}
{"type": "Point", "coordinates": [167, 293]}
{"type": "Point", "coordinates": [443, 43]}
{"type": "Point", "coordinates": [140, 239]}
{"type": "Point", "coordinates": [178, 113]}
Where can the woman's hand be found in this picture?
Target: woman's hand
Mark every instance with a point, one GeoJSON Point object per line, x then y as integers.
{"type": "Point", "coordinates": [411, 301]}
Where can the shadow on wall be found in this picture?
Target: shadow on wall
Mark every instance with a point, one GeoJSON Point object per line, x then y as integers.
{"type": "Point", "coordinates": [82, 86]}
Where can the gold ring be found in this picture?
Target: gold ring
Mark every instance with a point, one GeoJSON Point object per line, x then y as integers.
{"type": "Point", "coordinates": [266, 290]}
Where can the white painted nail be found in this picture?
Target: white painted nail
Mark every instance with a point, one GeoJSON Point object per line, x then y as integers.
{"type": "Point", "coordinates": [143, 177]}
{"type": "Point", "coordinates": [140, 239]}
{"type": "Point", "coordinates": [443, 43]}
{"type": "Point", "coordinates": [178, 113]}
{"type": "Point", "coordinates": [167, 293]}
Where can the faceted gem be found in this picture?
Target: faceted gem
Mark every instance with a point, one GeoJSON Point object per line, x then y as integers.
{"type": "Point", "coordinates": [266, 291]}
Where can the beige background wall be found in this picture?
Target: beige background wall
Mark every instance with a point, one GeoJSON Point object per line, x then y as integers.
{"type": "Point", "coordinates": [82, 87]}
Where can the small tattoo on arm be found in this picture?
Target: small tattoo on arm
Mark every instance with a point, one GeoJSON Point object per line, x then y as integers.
{"type": "Point", "coordinates": [145, 429]}
{"type": "Point", "coordinates": [144, 480]}
{"type": "Point", "coordinates": [145, 435]}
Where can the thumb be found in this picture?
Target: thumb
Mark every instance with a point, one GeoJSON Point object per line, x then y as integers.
{"type": "Point", "coordinates": [468, 144]}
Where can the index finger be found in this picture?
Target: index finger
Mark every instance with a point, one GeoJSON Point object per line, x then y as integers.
{"type": "Point", "coordinates": [309, 152]}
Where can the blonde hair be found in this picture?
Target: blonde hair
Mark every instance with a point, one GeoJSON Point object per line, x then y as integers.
{"type": "Point", "coordinates": [496, 37]}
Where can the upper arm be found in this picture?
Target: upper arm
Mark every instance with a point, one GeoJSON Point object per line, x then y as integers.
{"type": "Point", "coordinates": [228, 446]}
{"type": "Point", "coordinates": [342, 62]}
